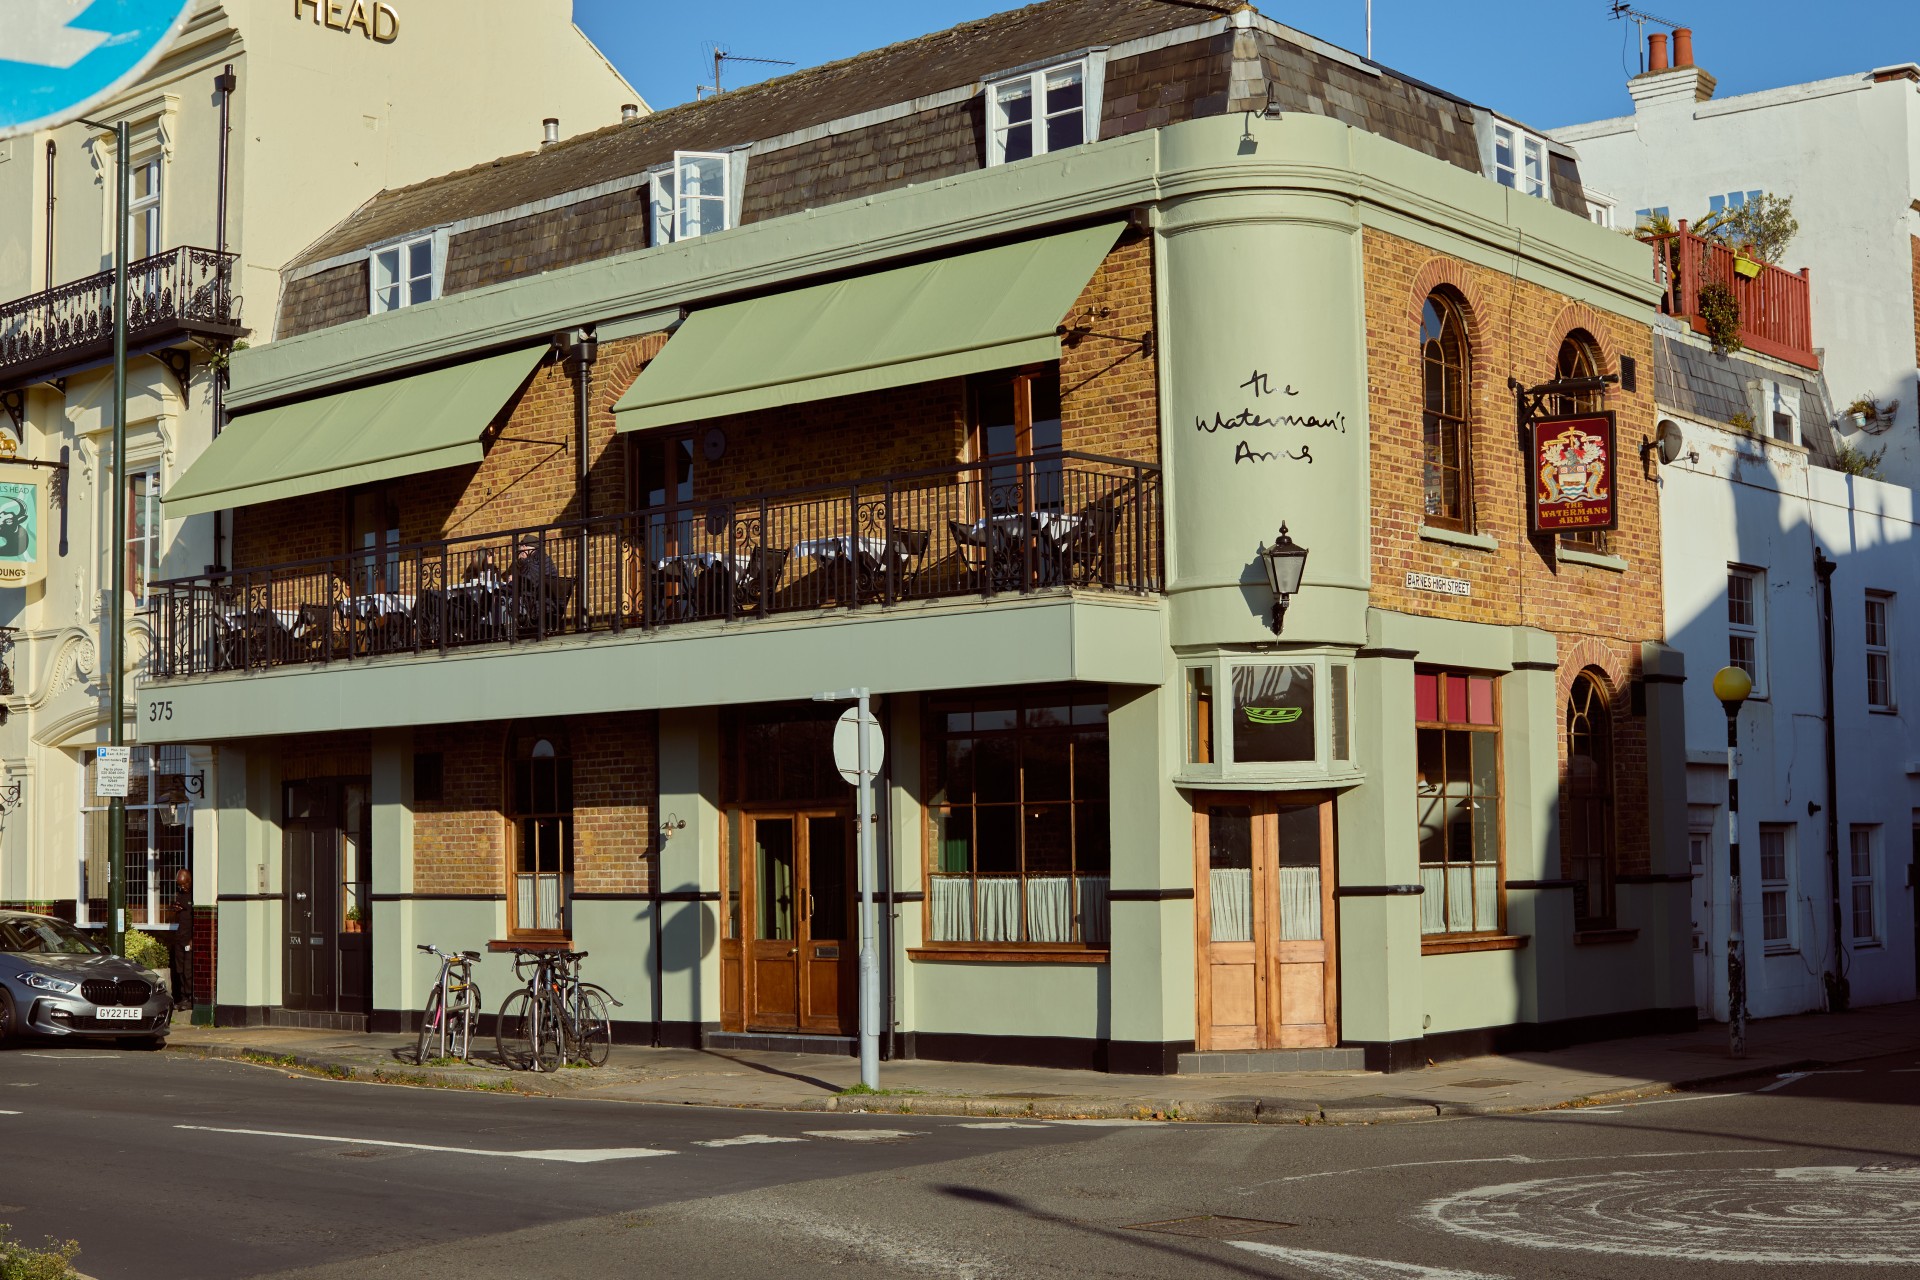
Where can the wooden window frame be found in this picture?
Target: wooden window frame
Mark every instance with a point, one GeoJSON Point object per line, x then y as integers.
{"type": "Point", "coordinates": [933, 740]}
{"type": "Point", "coordinates": [404, 277]}
{"type": "Point", "coordinates": [1436, 425]}
{"type": "Point", "coordinates": [1868, 880]}
{"type": "Point", "coordinates": [1882, 651]}
{"type": "Point", "coordinates": [387, 552]}
{"type": "Point", "coordinates": [1602, 796]}
{"type": "Point", "coordinates": [1580, 357]}
{"type": "Point", "coordinates": [1754, 630]}
{"type": "Point", "coordinates": [1784, 884]}
{"type": "Point", "coordinates": [1038, 116]}
{"type": "Point", "coordinates": [1445, 724]}
{"type": "Point", "coordinates": [529, 736]}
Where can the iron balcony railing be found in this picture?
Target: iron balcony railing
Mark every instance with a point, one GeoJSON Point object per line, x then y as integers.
{"type": "Point", "coordinates": [1058, 521]}
{"type": "Point", "coordinates": [170, 295]}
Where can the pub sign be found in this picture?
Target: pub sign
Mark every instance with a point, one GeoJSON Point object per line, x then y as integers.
{"type": "Point", "coordinates": [22, 519]}
{"type": "Point", "coordinates": [1570, 469]}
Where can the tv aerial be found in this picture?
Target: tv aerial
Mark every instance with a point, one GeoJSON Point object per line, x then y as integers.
{"type": "Point", "coordinates": [1640, 19]}
{"type": "Point", "coordinates": [721, 57]}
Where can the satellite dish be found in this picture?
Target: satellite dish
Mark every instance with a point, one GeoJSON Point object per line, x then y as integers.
{"type": "Point", "coordinates": [1672, 441]}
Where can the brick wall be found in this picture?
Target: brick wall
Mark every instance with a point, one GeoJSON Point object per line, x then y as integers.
{"type": "Point", "coordinates": [1599, 616]}
{"type": "Point", "coordinates": [1109, 407]}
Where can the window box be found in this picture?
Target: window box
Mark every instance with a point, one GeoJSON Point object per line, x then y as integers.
{"type": "Point", "coordinates": [1444, 945]}
{"type": "Point", "coordinates": [1254, 718]}
{"type": "Point", "coordinates": [1003, 955]}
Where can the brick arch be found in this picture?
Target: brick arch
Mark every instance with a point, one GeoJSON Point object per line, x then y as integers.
{"type": "Point", "coordinates": [1596, 656]}
{"type": "Point", "coordinates": [1436, 272]}
{"type": "Point", "coordinates": [1578, 315]}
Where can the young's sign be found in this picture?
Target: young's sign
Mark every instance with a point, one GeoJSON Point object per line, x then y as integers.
{"type": "Point", "coordinates": [1570, 466]}
{"type": "Point", "coordinates": [22, 520]}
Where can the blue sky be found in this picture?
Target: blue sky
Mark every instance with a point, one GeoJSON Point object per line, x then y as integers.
{"type": "Point", "coordinates": [1547, 62]}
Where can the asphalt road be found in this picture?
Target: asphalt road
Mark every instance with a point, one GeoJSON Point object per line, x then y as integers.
{"type": "Point", "coordinates": [164, 1166]}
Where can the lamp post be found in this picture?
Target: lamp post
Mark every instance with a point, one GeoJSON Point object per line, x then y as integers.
{"type": "Point", "coordinates": [1732, 686]}
{"type": "Point", "coordinates": [1286, 564]}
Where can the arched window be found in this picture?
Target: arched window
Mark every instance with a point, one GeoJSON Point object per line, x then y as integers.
{"type": "Point", "coordinates": [540, 813]}
{"type": "Point", "coordinates": [1444, 370]}
{"type": "Point", "coordinates": [1579, 358]}
{"type": "Point", "coordinates": [1588, 799]}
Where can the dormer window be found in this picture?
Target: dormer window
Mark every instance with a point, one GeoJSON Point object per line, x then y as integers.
{"type": "Point", "coordinates": [694, 196]}
{"type": "Point", "coordinates": [1519, 160]}
{"type": "Point", "coordinates": [1037, 112]}
{"type": "Point", "coordinates": [402, 274]}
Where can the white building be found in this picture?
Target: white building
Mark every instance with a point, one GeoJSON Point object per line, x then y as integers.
{"type": "Point", "coordinates": [1743, 515]}
{"type": "Point", "coordinates": [322, 111]}
{"type": "Point", "coordinates": [1848, 151]}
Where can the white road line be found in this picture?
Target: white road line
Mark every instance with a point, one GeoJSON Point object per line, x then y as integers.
{"type": "Point", "coordinates": [564, 1155]}
{"type": "Point", "coordinates": [864, 1135]}
{"type": "Point", "coordinates": [1339, 1266]}
{"type": "Point", "coordinates": [74, 1057]}
{"type": "Point", "coordinates": [744, 1140]}
{"type": "Point", "coordinates": [1001, 1124]}
{"type": "Point", "coordinates": [9, 1113]}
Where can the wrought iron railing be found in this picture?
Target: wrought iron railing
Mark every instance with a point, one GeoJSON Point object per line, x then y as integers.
{"type": "Point", "coordinates": [1776, 311]}
{"type": "Point", "coordinates": [1059, 521]}
{"type": "Point", "coordinates": [183, 289]}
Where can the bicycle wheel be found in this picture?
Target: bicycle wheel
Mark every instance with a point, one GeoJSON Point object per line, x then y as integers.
{"type": "Point", "coordinates": [466, 1015]}
{"type": "Point", "coordinates": [594, 1024]}
{"type": "Point", "coordinates": [429, 1027]}
{"type": "Point", "coordinates": [514, 1028]}
{"type": "Point", "coordinates": [549, 1037]}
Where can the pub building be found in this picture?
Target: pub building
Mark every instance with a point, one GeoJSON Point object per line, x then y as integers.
{"type": "Point", "coordinates": [984, 371]}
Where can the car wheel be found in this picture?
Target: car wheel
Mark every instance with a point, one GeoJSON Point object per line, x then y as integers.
{"type": "Point", "coordinates": [6, 1017]}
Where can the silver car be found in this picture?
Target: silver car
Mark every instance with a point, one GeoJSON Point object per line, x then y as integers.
{"type": "Point", "coordinates": [56, 981]}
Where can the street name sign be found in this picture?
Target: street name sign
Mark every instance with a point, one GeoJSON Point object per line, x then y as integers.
{"type": "Point", "coordinates": [61, 58]}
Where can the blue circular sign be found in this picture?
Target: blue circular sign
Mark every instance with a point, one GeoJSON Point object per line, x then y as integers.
{"type": "Point", "coordinates": [60, 58]}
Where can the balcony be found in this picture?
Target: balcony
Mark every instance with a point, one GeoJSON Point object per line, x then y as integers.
{"type": "Point", "coordinates": [1056, 523]}
{"type": "Point", "coordinates": [1776, 314]}
{"type": "Point", "coordinates": [172, 296]}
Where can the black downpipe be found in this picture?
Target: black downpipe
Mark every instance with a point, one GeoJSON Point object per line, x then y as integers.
{"type": "Point", "coordinates": [1836, 976]}
{"type": "Point", "coordinates": [52, 150]}
{"type": "Point", "coordinates": [586, 349]}
{"type": "Point", "coordinates": [224, 84]}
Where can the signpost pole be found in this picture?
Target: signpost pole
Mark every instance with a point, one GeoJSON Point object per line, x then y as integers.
{"type": "Point", "coordinates": [869, 915]}
{"type": "Point", "coordinates": [115, 494]}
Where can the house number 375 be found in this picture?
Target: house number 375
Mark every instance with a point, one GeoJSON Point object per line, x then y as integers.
{"type": "Point", "coordinates": [159, 711]}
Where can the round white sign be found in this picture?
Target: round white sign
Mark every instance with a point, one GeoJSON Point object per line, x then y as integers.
{"type": "Point", "coordinates": [846, 747]}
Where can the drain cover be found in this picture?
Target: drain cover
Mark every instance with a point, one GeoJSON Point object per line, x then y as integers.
{"type": "Point", "coordinates": [1209, 1226]}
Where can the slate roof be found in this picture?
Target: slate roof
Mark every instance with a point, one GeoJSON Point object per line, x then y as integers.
{"type": "Point", "coordinates": [1692, 379]}
{"type": "Point", "coordinates": [867, 81]}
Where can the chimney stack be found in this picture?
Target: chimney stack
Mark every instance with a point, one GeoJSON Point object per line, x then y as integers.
{"type": "Point", "coordinates": [1683, 46]}
{"type": "Point", "coordinates": [629, 112]}
{"type": "Point", "coordinates": [1657, 52]}
{"type": "Point", "coordinates": [552, 124]}
{"type": "Point", "coordinates": [1678, 84]}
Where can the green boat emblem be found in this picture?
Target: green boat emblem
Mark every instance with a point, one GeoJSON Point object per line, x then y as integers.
{"type": "Point", "coordinates": [1273, 715]}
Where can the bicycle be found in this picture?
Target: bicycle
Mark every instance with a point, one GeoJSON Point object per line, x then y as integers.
{"type": "Point", "coordinates": [453, 1006]}
{"type": "Point", "coordinates": [555, 1018]}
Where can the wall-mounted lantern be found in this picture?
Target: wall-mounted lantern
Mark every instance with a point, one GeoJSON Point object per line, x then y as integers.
{"type": "Point", "coordinates": [1286, 562]}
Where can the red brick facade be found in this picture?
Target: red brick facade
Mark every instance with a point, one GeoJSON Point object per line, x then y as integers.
{"type": "Point", "coordinates": [1600, 615]}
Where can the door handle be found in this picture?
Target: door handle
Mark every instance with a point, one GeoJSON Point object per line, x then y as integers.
{"type": "Point", "coordinates": [809, 906]}
{"type": "Point", "coordinates": [793, 951]}
{"type": "Point", "coordinates": [299, 897]}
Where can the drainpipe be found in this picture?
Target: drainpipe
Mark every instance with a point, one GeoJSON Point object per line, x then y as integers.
{"type": "Point", "coordinates": [586, 349]}
{"type": "Point", "coordinates": [51, 200]}
{"type": "Point", "coordinates": [224, 83]}
{"type": "Point", "coordinates": [1836, 978]}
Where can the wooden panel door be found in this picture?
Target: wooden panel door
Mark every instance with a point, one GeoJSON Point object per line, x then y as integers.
{"type": "Point", "coordinates": [308, 886]}
{"type": "Point", "coordinates": [1263, 900]}
{"type": "Point", "coordinates": [826, 946]}
{"type": "Point", "coordinates": [773, 943]}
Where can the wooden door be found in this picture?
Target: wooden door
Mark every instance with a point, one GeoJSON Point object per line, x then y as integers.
{"type": "Point", "coordinates": [1264, 916]}
{"type": "Point", "coordinates": [308, 886]}
{"type": "Point", "coordinates": [799, 949]}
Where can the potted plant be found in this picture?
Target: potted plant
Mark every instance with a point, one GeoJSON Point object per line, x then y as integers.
{"type": "Point", "coordinates": [352, 923]}
{"type": "Point", "coordinates": [1744, 264]}
{"type": "Point", "coordinates": [1719, 315]}
{"type": "Point", "coordinates": [1868, 414]}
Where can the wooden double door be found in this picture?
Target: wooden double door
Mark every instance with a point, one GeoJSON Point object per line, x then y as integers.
{"type": "Point", "coordinates": [1263, 899]}
{"type": "Point", "coordinates": [797, 904]}
{"type": "Point", "coordinates": [326, 878]}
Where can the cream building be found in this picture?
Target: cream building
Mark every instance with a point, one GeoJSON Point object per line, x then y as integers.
{"type": "Point", "coordinates": [326, 104]}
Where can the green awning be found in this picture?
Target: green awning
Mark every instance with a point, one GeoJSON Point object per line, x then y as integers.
{"type": "Point", "coordinates": [975, 312]}
{"type": "Point", "coordinates": [381, 432]}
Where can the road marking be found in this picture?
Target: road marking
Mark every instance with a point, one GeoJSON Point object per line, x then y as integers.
{"type": "Point", "coordinates": [9, 1113]}
{"type": "Point", "coordinates": [1791, 1077]}
{"type": "Point", "coordinates": [564, 1155]}
{"type": "Point", "coordinates": [1339, 1266]}
{"type": "Point", "coordinates": [1001, 1124]}
{"type": "Point", "coordinates": [864, 1135]}
{"type": "Point", "coordinates": [1251, 1187]}
{"type": "Point", "coordinates": [744, 1140]}
{"type": "Point", "coordinates": [1826, 1214]}
{"type": "Point", "coordinates": [74, 1057]}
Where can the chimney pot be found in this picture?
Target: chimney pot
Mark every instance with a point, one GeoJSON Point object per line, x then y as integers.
{"type": "Point", "coordinates": [552, 124]}
{"type": "Point", "coordinates": [629, 112]}
{"type": "Point", "coordinates": [1683, 46]}
{"type": "Point", "coordinates": [1657, 52]}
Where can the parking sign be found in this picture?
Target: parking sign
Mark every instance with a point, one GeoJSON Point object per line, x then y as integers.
{"type": "Point", "coordinates": [60, 58]}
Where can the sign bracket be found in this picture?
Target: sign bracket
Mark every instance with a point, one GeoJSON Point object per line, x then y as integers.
{"type": "Point", "coordinates": [1530, 402]}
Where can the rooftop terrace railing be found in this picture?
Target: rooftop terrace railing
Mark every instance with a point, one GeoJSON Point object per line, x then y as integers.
{"type": "Point", "coordinates": [169, 295]}
{"type": "Point", "coordinates": [1776, 312]}
{"type": "Point", "coordinates": [1051, 522]}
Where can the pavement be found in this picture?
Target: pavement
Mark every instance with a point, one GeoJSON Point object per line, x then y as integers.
{"type": "Point", "coordinates": [165, 1166]}
{"type": "Point", "coordinates": [1583, 1075]}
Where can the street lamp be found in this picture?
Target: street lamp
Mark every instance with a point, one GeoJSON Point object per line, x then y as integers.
{"type": "Point", "coordinates": [1732, 686]}
{"type": "Point", "coordinates": [1286, 564]}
